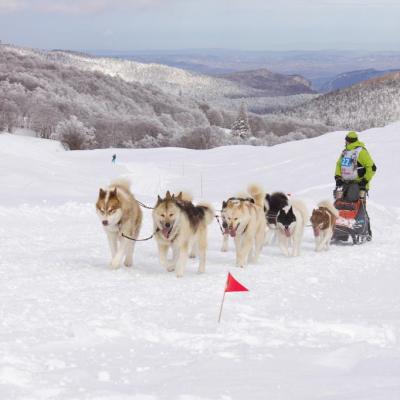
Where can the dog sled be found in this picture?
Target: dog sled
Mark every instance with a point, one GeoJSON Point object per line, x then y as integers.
{"type": "Point", "coordinates": [353, 222]}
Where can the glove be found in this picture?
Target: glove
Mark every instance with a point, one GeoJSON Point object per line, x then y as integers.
{"type": "Point", "coordinates": [363, 183]}
{"type": "Point", "coordinates": [339, 180]}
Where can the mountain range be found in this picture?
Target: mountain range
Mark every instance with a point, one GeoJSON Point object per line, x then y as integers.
{"type": "Point", "coordinates": [127, 104]}
{"type": "Point", "coordinates": [371, 103]}
{"type": "Point", "coordinates": [350, 78]}
{"type": "Point", "coordinates": [317, 66]}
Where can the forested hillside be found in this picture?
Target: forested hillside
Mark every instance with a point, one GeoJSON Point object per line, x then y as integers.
{"type": "Point", "coordinates": [87, 109]}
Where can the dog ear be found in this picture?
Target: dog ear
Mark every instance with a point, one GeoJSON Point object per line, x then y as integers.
{"type": "Point", "coordinates": [268, 197]}
{"type": "Point", "coordinates": [113, 193]}
{"type": "Point", "coordinates": [168, 195]}
{"type": "Point", "coordinates": [159, 200]}
{"type": "Point", "coordinates": [224, 204]}
{"type": "Point", "coordinates": [102, 194]}
{"type": "Point", "coordinates": [179, 197]}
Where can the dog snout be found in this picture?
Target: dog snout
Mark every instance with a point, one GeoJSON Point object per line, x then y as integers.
{"type": "Point", "coordinates": [105, 222]}
{"type": "Point", "coordinates": [224, 224]}
{"type": "Point", "coordinates": [167, 225]}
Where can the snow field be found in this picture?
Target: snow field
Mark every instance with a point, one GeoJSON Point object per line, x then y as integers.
{"type": "Point", "coordinates": [320, 326]}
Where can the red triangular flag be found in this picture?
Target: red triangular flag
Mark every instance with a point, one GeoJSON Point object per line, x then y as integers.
{"type": "Point", "coordinates": [232, 285]}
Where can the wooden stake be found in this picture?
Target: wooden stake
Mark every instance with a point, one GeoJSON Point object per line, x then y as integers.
{"type": "Point", "coordinates": [222, 304]}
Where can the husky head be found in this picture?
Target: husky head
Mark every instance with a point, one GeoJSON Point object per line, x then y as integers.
{"type": "Point", "coordinates": [166, 213]}
{"type": "Point", "coordinates": [272, 205]}
{"type": "Point", "coordinates": [286, 220]}
{"type": "Point", "coordinates": [235, 214]}
{"type": "Point", "coordinates": [108, 208]}
{"type": "Point", "coordinates": [319, 220]}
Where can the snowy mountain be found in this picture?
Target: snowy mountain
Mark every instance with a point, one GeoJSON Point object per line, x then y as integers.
{"type": "Point", "coordinates": [37, 93]}
{"type": "Point", "coordinates": [184, 83]}
{"type": "Point", "coordinates": [371, 103]}
{"type": "Point", "coordinates": [171, 80]}
{"type": "Point", "coordinates": [318, 66]}
{"type": "Point", "coordinates": [271, 83]}
{"type": "Point", "coordinates": [319, 326]}
{"type": "Point", "coordinates": [50, 97]}
{"type": "Point", "coordinates": [350, 78]}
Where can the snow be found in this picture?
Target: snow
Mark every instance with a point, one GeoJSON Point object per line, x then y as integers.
{"type": "Point", "coordinates": [170, 79]}
{"type": "Point", "coordinates": [319, 326]}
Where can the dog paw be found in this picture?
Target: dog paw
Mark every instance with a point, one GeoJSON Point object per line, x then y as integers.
{"type": "Point", "coordinates": [114, 264]}
{"type": "Point", "coordinates": [192, 255]}
{"type": "Point", "coordinates": [128, 263]}
{"type": "Point", "coordinates": [170, 268]}
{"type": "Point", "coordinates": [224, 249]}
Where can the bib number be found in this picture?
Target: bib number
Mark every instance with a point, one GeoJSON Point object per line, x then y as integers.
{"type": "Point", "coordinates": [347, 162]}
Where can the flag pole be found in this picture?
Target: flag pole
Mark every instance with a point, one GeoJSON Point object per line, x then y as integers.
{"type": "Point", "coordinates": [222, 304]}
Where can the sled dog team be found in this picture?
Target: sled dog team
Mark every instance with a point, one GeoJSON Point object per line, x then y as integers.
{"type": "Point", "coordinates": [251, 219]}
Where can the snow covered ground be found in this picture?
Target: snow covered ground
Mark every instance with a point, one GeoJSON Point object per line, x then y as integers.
{"type": "Point", "coordinates": [320, 326]}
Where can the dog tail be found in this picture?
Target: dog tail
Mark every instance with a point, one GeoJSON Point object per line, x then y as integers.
{"type": "Point", "coordinates": [209, 212]}
{"type": "Point", "coordinates": [328, 204]}
{"type": "Point", "coordinates": [122, 183]}
{"type": "Point", "coordinates": [257, 193]}
{"type": "Point", "coordinates": [185, 196]}
{"type": "Point", "coordinates": [301, 208]}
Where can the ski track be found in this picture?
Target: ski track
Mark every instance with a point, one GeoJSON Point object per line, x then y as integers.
{"type": "Point", "coordinates": [319, 326]}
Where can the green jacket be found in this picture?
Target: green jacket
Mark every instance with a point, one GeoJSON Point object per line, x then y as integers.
{"type": "Point", "coordinates": [364, 160]}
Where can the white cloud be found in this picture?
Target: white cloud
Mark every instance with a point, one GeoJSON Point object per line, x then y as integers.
{"type": "Point", "coordinates": [313, 3]}
{"type": "Point", "coordinates": [98, 6]}
{"type": "Point", "coordinates": [8, 6]}
{"type": "Point", "coordinates": [92, 6]}
{"type": "Point", "coordinates": [79, 6]}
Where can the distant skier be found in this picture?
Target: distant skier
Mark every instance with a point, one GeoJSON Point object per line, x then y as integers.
{"type": "Point", "coordinates": [355, 164]}
{"type": "Point", "coordinates": [114, 158]}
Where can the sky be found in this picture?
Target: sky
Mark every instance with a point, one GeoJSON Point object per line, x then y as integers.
{"type": "Point", "coordinates": [187, 24]}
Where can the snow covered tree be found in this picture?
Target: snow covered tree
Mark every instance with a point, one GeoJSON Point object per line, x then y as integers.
{"type": "Point", "coordinates": [240, 127]}
{"type": "Point", "coordinates": [215, 117]}
{"type": "Point", "coordinates": [74, 134]}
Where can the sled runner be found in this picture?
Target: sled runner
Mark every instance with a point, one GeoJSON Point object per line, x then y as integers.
{"type": "Point", "coordinates": [353, 221]}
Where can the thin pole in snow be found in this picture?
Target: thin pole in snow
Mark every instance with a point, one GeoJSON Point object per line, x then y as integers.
{"type": "Point", "coordinates": [222, 304]}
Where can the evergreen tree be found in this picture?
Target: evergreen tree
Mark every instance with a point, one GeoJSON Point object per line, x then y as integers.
{"type": "Point", "coordinates": [241, 127]}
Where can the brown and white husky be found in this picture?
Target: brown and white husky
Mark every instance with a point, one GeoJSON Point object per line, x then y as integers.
{"type": "Point", "coordinates": [323, 220]}
{"type": "Point", "coordinates": [119, 214]}
{"type": "Point", "coordinates": [181, 226]}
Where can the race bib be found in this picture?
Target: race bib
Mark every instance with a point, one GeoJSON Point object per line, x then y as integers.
{"type": "Point", "coordinates": [349, 164]}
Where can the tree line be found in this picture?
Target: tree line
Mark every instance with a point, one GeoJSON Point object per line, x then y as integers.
{"type": "Point", "coordinates": [87, 109]}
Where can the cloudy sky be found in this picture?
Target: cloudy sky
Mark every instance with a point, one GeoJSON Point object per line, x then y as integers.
{"type": "Point", "coordinates": [180, 24]}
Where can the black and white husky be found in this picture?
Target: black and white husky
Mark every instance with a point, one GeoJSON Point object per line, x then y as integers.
{"type": "Point", "coordinates": [290, 224]}
{"type": "Point", "coordinates": [273, 204]}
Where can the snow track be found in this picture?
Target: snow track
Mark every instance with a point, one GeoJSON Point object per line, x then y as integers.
{"type": "Point", "coordinates": [320, 326]}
